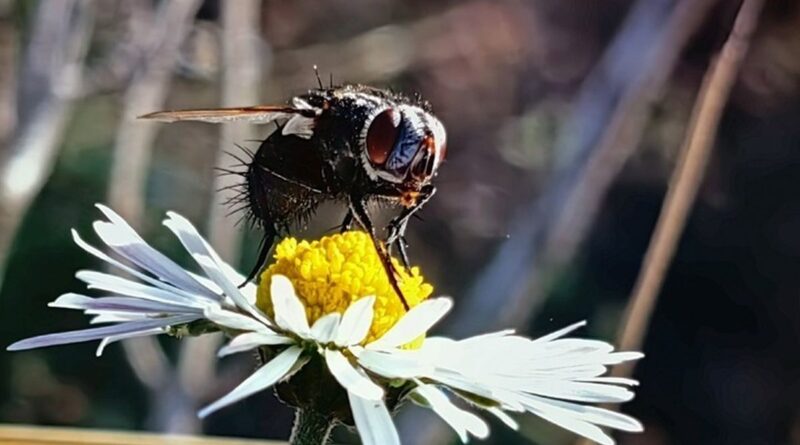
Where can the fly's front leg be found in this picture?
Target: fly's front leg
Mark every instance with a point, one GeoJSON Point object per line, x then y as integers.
{"type": "Point", "coordinates": [397, 226]}
{"type": "Point", "coordinates": [358, 209]}
{"type": "Point", "coordinates": [263, 250]}
{"type": "Point", "coordinates": [347, 222]}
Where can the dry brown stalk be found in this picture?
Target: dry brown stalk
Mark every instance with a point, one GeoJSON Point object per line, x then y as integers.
{"type": "Point", "coordinates": [687, 177]}
{"type": "Point", "coordinates": [685, 182]}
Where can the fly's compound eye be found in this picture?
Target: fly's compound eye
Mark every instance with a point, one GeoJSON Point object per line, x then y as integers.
{"type": "Point", "coordinates": [382, 135]}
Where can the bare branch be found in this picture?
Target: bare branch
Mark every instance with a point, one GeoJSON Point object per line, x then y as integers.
{"type": "Point", "coordinates": [8, 83]}
{"type": "Point", "coordinates": [241, 60]}
{"type": "Point", "coordinates": [147, 92]}
{"type": "Point", "coordinates": [132, 150]}
{"type": "Point", "coordinates": [51, 76]}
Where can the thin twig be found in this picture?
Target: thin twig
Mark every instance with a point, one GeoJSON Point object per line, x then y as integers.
{"type": "Point", "coordinates": [687, 178]}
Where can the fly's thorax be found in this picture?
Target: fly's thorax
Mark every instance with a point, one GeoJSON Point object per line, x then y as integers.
{"type": "Point", "coordinates": [395, 141]}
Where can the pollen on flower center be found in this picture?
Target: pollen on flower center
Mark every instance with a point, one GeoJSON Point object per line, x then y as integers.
{"type": "Point", "coordinates": [331, 273]}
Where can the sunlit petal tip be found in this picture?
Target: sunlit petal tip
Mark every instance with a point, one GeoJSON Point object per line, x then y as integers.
{"type": "Point", "coordinates": [356, 322]}
{"type": "Point", "coordinates": [324, 329]}
{"type": "Point", "coordinates": [416, 322]}
{"type": "Point", "coordinates": [250, 341]}
{"type": "Point", "coordinates": [373, 421]}
{"type": "Point", "coordinates": [116, 220]}
{"type": "Point", "coordinates": [290, 313]}
{"type": "Point", "coordinates": [281, 285]}
{"type": "Point", "coordinates": [505, 418]}
{"type": "Point", "coordinates": [561, 332]}
{"type": "Point", "coordinates": [353, 379]}
{"type": "Point", "coordinates": [463, 422]}
{"type": "Point", "coordinates": [76, 237]}
{"type": "Point", "coordinates": [101, 347]}
{"type": "Point", "coordinates": [234, 320]}
{"type": "Point", "coordinates": [70, 300]}
{"type": "Point", "coordinates": [263, 378]}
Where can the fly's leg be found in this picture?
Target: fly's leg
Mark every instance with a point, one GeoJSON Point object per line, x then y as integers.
{"type": "Point", "coordinates": [263, 250]}
{"type": "Point", "coordinates": [397, 226]}
{"type": "Point", "coordinates": [358, 209]}
{"type": "Point", "coordinates": [347, 222]}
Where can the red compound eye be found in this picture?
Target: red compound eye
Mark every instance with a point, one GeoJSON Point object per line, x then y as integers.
{"type": "Point", "coordinates": [381, 136]}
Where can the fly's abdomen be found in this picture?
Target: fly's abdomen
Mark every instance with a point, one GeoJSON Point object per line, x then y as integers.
{"type": "Point", "coordinates": [285, 181]}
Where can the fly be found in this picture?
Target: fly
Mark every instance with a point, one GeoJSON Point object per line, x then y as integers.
{"type": "Point", "coordinates": [353, 144]}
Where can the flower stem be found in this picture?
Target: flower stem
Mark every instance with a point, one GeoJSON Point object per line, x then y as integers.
{"type": "Point", "coordinates": [310, 428]}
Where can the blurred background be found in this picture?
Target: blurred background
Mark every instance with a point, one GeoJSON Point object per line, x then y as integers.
{"type": "Point", "coordinates": [565, 121]}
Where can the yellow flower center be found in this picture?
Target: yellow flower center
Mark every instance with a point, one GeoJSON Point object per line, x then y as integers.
{"type": "Point", "coordinates": [335, 271]}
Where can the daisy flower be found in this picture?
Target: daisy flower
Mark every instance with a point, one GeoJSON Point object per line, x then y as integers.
{"type": "Point", "coordinates": [337, 344]}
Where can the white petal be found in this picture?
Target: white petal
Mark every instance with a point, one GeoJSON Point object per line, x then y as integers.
{"type": "Point", "coordinates": [352, 379]}
{"type": "Point", "coordinates": [561, 332]}
{"type": "Point", "coordinates": [620, 357]}
{"type": "Point", "coordinates": [71, 301]}
{"type": "Point", "coordinates": [325, 327]}
{"type": "Point", "coordinates": [569, 422]}
{"type": "Point", "coordinates": [442, 352]}
{"type": "Point", "coordinates": [577, 391]}
{"type": "Point", "coordinates": [83, 335]}
{"type": "Point", "coordinates": [397, 364]}
{"type": "Point", "coordinates": [263, 378]}
{"type": "Point", "coordinates": [196, 244]}
{"type": "Point", "coordinates": [504, 417]}
{"type": "Point", "coordinates": [572, 346]}
{"type": "Point", "coordinates": [613, 380]}
{"type": "Point", "coordinates": [289, 311]}
{"type": "Point", "coordinates": [415, 323]}
{"type": "Point", "coordinates": [591, 414]}
{"type": "Point", "coordinates": [115, 338]}
{"type": "Point", "coordinates": [461, 421]}
{"type": "Point", "coordinates": [464, 384]}
{"type": "Point", "coordinates": [373, 422]}
{"type": "Point", "coordinates": [231, 291]}
{"type": "Point", "coordinates": [121, 237]}
{"type": "Point", "coordinates": [152, 281]}
{"type": "Point", "coordinates": [236, 321]}
{"type": "Point", "coordinates": [118, 304]}
{"type": "Point", "coordinates": [123, 286]}
{"type": "Point", "coordinates": [252, 340]}
{"type": "Point", "coordinates": [114, 317]}
{"type": "Point", "coordinates": [356, 322]}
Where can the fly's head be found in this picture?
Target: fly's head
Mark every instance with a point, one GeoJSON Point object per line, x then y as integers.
{"type": "Point", "coordinates": [403, 144]}
{"type": "Point", "coordinates": [398, 141]}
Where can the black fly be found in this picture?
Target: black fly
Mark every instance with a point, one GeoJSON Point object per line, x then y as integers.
{"type": "Point", "coordinates": [354, 144]}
